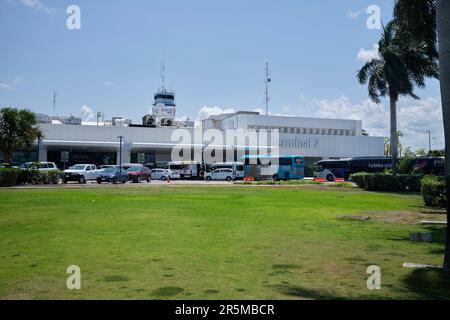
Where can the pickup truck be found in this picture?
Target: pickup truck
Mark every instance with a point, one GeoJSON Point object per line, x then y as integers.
{"type": "Point", "coordinates": [81, 173]}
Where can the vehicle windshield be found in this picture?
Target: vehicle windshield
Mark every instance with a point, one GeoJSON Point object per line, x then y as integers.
{"type": "Point", "coordinates": [134, 169]}
{"type": "Point", "coordinates": [77, 167]}
{"type": "Point", "coordinates": [110, 170]}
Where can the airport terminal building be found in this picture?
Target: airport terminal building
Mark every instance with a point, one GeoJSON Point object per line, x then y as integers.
{"type": "Point", "coordinates": [69, 140]}
{"type": "Point", "coordinates": [313, 138]}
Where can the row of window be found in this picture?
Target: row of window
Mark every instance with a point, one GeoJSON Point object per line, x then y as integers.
{"type": "Point", "coordinates": [329, 132]}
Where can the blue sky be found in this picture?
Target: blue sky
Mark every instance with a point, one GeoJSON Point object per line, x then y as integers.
{"type": "Point", "coordinates": [215, 53]}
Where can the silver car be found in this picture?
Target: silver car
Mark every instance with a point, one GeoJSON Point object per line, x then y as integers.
{"type": "Point", "coordinates": [164, 174]}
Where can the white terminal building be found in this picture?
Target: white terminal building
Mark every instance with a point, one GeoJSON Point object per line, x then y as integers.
{"type": "Point", "coordinates": [68, 140]}
{"type": "Point", "coordinates": [313, 138]}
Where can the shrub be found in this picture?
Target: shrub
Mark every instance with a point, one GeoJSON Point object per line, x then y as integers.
{"type": "Point", "coordinates": [434, 191]}
{"type": "Point", "coordinates": [359, 179]}
{"type": "Point", "coordinates": [411, 182]}
{"type": "Point", "coordinates": [387, 182]}
{"type": "Point", "coordinates": [309, 171]}
{"type": "Point", "coordinates": [39, 177]}
{"type": "Point", "coordinates": [406, 165]}
{"type": "Point", "coordinates": [8, 177]}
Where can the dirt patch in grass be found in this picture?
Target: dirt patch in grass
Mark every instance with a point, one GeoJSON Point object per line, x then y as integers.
{"type": "Point", "coordinates": [167, 291]}
{"type": "Point", "coordinates": [403, 217]}
{"type": "Point", "coordinates": [115, 278]}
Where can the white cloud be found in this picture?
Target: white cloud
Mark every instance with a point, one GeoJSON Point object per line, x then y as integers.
{"type": "Point", "coordinates": [11, 85]}
{"type": "Point", "coordinates": [37, 5]}
{"type": "Point", "coordinates": [353, 14]}
{"type": "Point", "coordinates": [415, 117]}
{"type": "Point", "coordinates": [206, 112]}
{"type": "Point", "coordinates": [87, 114]}
{"type": "Point", "coordinates": [6, 86]}
{"type": "Point", "coordinates": [368, 55]}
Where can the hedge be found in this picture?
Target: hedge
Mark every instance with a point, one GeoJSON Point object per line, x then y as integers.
{"type": "Point", "coordinates": [8, 176]}
{"type": "Point", "coordinates": [434, 191]}
{"type": "Point", "coordinates": [387, 182]}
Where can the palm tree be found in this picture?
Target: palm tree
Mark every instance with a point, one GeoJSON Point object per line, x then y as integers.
{"type": "Point", "coordinates": [18, 128]}
{"type": "Point", "coordinates": [403, 63]}
{"type": "Point", "coordinates": [417, 17]}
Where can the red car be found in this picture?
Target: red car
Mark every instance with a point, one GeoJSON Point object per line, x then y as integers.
{"type": "Point", "coordinates": [139, 174]}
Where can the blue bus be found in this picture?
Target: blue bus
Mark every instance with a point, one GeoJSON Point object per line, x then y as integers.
{"type": "Point", "coordinates": [263, 167]}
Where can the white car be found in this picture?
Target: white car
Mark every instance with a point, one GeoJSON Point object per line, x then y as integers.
{"type": "Point", "coordinates": [164, 174]}
{"type": "Point", "coordinates": [40, 166]}
{"type": "Point", "coordinates": [81, 173]}
{"type": "Point", "coordinates": [221, 174]}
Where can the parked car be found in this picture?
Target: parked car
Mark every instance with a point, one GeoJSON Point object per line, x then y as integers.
{"type": "Point", "coordinates": [112, 175]}
{"type": "Point", "coordinates": [164, 174]}
{"type": "Point", "coordinates": [103, 167]}
{"type": "Point", "coordinates": [129, 165]}
{"type": "Point", "coordinates": [81, 173]}
{"type": "Point", "coordinates": [138, 174]}
{"type": "Point", "coordinates": [40, 166]}
{"type": "Point", "coordinates": [221, 174]}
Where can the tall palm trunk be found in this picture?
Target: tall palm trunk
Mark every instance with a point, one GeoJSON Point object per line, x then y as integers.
{"type": "Point", "coordinates": [394, 134]}
{"type": "Point", "coordinates": [443, 21]}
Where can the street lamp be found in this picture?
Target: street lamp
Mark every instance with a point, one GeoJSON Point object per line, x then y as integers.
{"type": "Point", "coordinates": [39, 150]}
{"type": "Point", "coordinates": [120, 155]}
{"type": "Point", "coordinates": [429, 143]}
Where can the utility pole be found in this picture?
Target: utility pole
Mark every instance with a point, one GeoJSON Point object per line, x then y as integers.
{"type": "Point", "coordinates": [267, 81]}
{"type": "Point", "coordinates": [429, 143]}
{"type": "Point", "coordinates": [120, 155]}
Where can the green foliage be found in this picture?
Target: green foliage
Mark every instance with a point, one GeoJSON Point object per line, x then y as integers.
{"type": "Point", "coordinates": [18, 128]}
{"type": "Point", "coordinates": [39, 177]}
{"type": "Point", "coordinates": [438, 153]}
{"type": "Point", "coordinates": [8, 177]}
{"type": "Point", "coordinates": [406, 165]}
{"type": "Point", "coordinates": [434, 191]}
{"type": "Point", "coordinates": [252, 234]}
{"type": "Point", "coordinates": [402, 64]}
{"type": "Point", "coordinates": [309, 171]}
{"type": "Point", "coordinates": [387, 182]}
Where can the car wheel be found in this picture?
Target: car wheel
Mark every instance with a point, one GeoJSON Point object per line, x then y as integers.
{"type": "Point", "coordinates": [114, 180]}
{"type": "Point", "coordinates": [82, 180]}
{"type": "Point", "coordinates": [99, 181]}
{"type": "Point", "coordinates": [275, 178]}
{"type": "Point", "coordinates": [163, 178]}
{"type": "Point", "coordinates": [208, 178]}
{"type": "Point", "coordinates": [229, 179]}
{"type": "Point", "coordinates": [330, 178]}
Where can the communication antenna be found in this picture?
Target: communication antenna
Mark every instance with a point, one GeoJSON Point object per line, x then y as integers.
{"type": "Point", "coordinates": [267, 81]}
{"type": "Point", "coordinates": [54, 102]}
{"type": "Point", "coordinates": [163, 74]}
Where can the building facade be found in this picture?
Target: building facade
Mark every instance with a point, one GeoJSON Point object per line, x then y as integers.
{"type": "Point", "coordinates": [313, 138]}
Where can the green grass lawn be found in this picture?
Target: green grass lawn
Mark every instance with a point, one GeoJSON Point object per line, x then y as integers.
{"type": "Point", "coordinates": [194, 242]}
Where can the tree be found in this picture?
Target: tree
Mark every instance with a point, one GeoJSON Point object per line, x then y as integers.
{"type": "Point", "coordinates": [18, 129]}
{"type": "Point", "coordinates": [421, 152]}
{"type": "Point", "coordinates": [416, 16]}
{"type": "Point", "coordinates": [402, 64]}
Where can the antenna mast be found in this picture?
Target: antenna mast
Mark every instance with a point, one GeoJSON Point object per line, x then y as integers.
{"type": "Point", "coordinates": [267, 81]}
{"type": "Point", "coordinates": [54, 102]}
{"type": "Point", "coordinates": [163, 74]}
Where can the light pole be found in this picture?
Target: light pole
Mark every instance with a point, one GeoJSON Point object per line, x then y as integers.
{"type": "Point", "coordinates": [39, 150]}
{"type": "Point", "coordinates": [120, 155]}
{"type": "Point", "coordinates": [429, 143]}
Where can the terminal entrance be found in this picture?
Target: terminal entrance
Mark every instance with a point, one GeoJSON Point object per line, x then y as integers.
{"type": "Point", "coordinates": [77, 157]}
